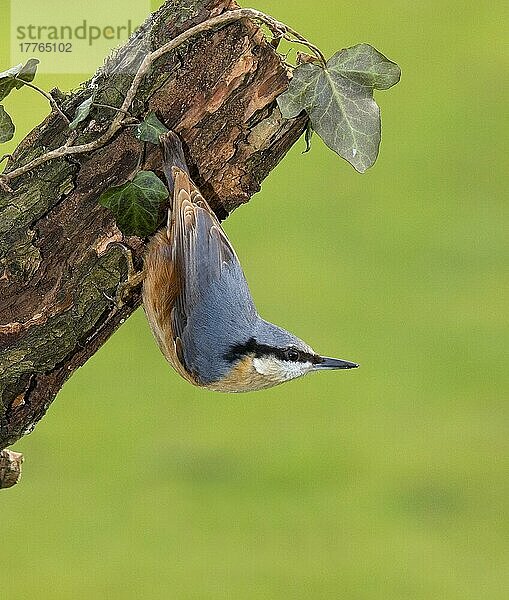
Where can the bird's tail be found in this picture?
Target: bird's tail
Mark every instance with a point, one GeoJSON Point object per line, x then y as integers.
{"type": "Point", "coordinates": [173, 156]}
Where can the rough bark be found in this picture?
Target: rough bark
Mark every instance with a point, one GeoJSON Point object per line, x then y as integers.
{"type": "Point", "coordinates": [58, 265]}
{"type": "Point", "coordinates": [10, 468]}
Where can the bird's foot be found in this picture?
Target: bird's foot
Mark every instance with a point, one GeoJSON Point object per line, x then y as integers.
{"type": "Point", "coordinates": [134, 277]}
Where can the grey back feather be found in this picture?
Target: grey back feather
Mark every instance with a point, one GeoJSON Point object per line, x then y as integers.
{"type": "Point", "coordinates": [223, 317]}
{"type": "Point", "coordinates": [173, 156]}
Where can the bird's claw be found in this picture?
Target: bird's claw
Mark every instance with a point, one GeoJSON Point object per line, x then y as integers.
{"type": "Point", "coordinates": [134, 277]}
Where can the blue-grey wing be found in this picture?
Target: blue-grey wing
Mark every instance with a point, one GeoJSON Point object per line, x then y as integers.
{"type": "Point", "coordinates": [213, 309]}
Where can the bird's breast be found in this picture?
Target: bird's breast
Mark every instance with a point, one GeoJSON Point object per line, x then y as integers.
{"type": "Point", "coordinates": [243, 377]}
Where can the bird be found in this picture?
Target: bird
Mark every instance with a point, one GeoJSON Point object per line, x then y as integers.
{"type": "Point", "coordinates": [198, 302]}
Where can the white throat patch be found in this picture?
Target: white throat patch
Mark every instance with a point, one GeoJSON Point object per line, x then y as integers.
{"type": "Point", "coordinates": [280, 370]}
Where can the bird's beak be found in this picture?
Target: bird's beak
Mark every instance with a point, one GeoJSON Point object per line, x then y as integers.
{"type": "Point", "coordinates": [335, 363]}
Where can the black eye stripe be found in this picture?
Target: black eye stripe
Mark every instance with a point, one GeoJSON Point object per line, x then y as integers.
{"type": "Point", "coordinates": [238, 351]}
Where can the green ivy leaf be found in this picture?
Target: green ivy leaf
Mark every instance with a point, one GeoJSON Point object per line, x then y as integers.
{"type": "Point", "coordinates": [307, 137]}
{"type": "Point", "coordinates": [366, 66]}
{"type": "Point", "coordinates": [15, 76]}
{"type": "Point", "coordinates": [7, 81]}
{"type": "Point", "coordinates": [12, 71]}
{"type": "Point", "coordinates": [6, 126]}
{"type": "Point", "coordinates": [150, 129]}
{"type": "Point", "coordinates": [82, 112]}
{"type": "Point", "coordinates": [339, 101]}
{"type": "Point", "coordinates": [136, 203]}
{"type": "Point", "coordinates": [27, 72]}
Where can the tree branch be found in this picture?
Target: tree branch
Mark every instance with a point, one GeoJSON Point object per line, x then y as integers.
{"type": "Point", "coordinates": [10, 468]}
{"type": "Point", "coordinates": [58, 260]}
{"type": "Point", "coordinates": [277, 28]}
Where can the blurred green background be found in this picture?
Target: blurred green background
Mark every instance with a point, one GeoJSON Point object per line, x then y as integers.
{"type": "Point", "coordinates": [390, 482]}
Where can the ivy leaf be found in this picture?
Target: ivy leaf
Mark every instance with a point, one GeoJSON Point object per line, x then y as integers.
{"type": "Point", "coordinates": [150, 129]}
{"type": "Point", "coordinates": [27, 72]}
{"type": "Point", "coordinates": [14, 77]}
{"type": "Point", "coordinates": [82, 112]}
{"type": "Point", "coordinates": [307, 136]}
{"type": "Point", "coordinates": [7, 81]}
{"type": "Point", "coordinates": [12, 72]}
{"type": "Point", "coordinates": [366, 66]}
{"type": "Point", "coordinates": [339, 101]}
{"type": "Point", "coordinates": [6, 126]}
{"type": "Point", "coordinates": [136, 203]}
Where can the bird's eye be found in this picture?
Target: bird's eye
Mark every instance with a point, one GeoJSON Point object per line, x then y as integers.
{"type": "Point", "coordinates": [292, 354]}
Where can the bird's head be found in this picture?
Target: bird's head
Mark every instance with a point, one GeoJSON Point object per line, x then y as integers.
{"type": "Point", "coordinates": [272, 356]}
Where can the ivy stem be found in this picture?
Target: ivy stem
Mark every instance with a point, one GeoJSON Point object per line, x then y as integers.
{"type": "Point", "coordinates": [110, 107]}
{"type": "Point", "coordinates": [277, 28]}
{"type": "Point", "coordinates": [48, 97]}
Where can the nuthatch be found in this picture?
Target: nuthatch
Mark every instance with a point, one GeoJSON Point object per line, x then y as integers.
{"type": "Point", "coordinates": [198, 302]}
